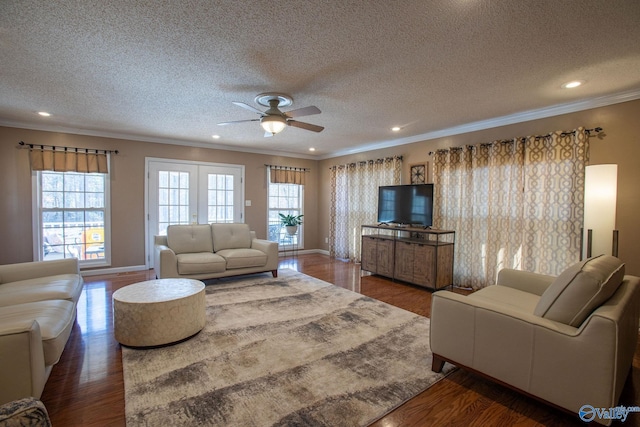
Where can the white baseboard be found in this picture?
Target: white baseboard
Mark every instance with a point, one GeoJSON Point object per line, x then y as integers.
{"type": "Point", "coordinates": [302, 252]}
{"type": "Point", "coordinates": [115, 270]}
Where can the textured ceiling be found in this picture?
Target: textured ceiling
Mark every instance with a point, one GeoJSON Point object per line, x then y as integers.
{"type": "Point", "coordinates": [168, 71]}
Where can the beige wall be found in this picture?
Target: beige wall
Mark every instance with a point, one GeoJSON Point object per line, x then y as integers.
{"type": "Point", "coordinates": [127, 190]}
{"type": "Point", "coordinates": [621, 145]}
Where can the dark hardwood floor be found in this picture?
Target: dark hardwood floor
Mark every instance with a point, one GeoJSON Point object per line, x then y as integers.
{"type": "Point", "coordinates": [86, 387]}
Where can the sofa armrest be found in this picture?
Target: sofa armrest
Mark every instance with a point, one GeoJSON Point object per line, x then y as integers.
{"type": "Point", "coordinates": [526, 281]}
{"type": "Point", "coordinates": [454, 324]}
{"type": "Point", "coordinates": [22, 370]}
{"type": "Point", "coordinates": [270, 248]}
{"type": "Point", "coordinates": [165, 262]}
{"type": "Point", "coordinates": [264, 245]}
{"type": "Point", "coordinates": [35, 269]}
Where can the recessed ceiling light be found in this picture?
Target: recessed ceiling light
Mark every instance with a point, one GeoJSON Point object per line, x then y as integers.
{"type": "Point", "coordinates": [571, 85]}
{"type": "Point", "coordinates": [312, 149]}
{"type": "Point", "coordinates": [396, 128]}
{"type": "Point", "coordinates": [44, 113]}
{"type": "Point", "coordinates": [215, 136]}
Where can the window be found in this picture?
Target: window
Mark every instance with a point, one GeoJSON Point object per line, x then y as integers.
{"type": "Point", "coordinates": [71, 217]}
{"type": "Point", "coordinates": [288, 200]}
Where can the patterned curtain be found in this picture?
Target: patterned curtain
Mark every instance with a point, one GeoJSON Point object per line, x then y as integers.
{"type": "Point", "coordinates": [354, 201]}
{"type": "Point", "coordinates": [513, 204]}
{"type": "Point", "coordinates": [68, 160]}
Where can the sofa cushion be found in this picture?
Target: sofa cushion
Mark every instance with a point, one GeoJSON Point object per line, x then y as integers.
{"type": "Point", "coordinates": [230, 236]}
{"type": "Point", "coordinates": [580, 289]}
{"type": "Point", "coordinates": [243, 258]}
{"type": "Point", "coordinates": [55, 318]}
{"type": "Point", "coordinates": [63, 286]}
{"type": "Point", "coordinates": [200, 263]}
{"type": "Point", "coordinates": [189, 238]}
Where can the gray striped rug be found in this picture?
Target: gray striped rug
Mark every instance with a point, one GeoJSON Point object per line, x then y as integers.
{"type": "Point", "coordinates": [290, 351]}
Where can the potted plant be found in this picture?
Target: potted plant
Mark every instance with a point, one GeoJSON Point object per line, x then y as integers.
{"type": "Point", "coordinates": [291, 222]}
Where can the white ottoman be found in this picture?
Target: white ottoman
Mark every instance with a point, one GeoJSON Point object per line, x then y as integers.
{"type": "Point", "coordinates": [158, 312]}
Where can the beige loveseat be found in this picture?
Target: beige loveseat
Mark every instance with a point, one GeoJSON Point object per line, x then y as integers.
{"type": "Point", "coordinates": [568, 340]}
{"type": "Point", "coordinates": [202, 251]}
{"type": "Point", "coordinates": [37, 312]}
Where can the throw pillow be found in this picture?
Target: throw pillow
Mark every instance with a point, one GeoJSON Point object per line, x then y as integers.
{"type": "Point", "coordinates": [580, 289]}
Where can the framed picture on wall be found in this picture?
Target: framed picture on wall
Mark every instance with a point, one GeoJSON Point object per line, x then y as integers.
{"type": "Point", "coordinates": [418, 173]}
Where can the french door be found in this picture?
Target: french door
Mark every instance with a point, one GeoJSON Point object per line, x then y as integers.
{"type": "Point", "coordinates": [191, 193]}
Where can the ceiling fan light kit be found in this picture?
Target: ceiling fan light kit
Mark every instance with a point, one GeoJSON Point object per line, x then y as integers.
{"type": "Point", "coordinates": [273, 124]}
{"type": "Point", "coordinates": [273, 120]}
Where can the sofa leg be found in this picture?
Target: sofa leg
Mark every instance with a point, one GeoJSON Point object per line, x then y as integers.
{"type": "Point", "coordinates": [437, 363]}
{"type": "Point", "coordinates": [274, 273]}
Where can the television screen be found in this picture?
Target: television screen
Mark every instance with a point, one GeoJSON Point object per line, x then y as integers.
{"type": "Point", "coordinates": [406, 204]}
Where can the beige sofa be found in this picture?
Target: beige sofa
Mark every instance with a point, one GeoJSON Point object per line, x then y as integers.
{"type": "Point", "coordinates": [37, 312]}
{"type": "Point", "coordinates": [202, 251]}
{"type": "Point", "coordinates": [568, 341]}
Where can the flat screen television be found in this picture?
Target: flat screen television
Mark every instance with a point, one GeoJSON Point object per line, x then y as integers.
{"type": "Point", "coordinates": [406, 204]}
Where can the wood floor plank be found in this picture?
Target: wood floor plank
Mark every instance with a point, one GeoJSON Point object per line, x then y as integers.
{"type": "Point", "coordinates": [86, 387]}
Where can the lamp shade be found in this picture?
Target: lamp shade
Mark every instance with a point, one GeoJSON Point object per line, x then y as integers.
{"type": "Point", "coordinates": [600, 196]}
{"type": "Point", "coordinates": [273, 124]}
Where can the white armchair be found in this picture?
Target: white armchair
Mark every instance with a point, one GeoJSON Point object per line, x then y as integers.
{"type": "Point", "coordinates": [568, 341]}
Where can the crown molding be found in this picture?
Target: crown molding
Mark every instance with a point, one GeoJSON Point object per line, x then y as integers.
{"type": "Point", "coordinates": [510, 119]}
{"type": "Point", "coordinates": [157, 140]}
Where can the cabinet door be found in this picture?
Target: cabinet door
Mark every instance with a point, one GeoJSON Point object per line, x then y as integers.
{"type": "Point", "coordinates": [384, 249]}
{"type": "Point", "coordinates": [404, 261]}
{"type": "Point", "coordinates": [369, 257]}
{"type": "Point", "coordinates": [424, 267]}
{"type": "Point", "coordinates": [445, 266]}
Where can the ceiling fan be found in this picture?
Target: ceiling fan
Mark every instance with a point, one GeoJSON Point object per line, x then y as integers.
{"type": "Point", "coordinates": [273, 120]}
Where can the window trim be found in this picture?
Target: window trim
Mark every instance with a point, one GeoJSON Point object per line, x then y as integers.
{"type": "Point", "coordinates": [36, 220]}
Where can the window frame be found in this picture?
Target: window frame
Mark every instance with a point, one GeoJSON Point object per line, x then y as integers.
{"type": "Point", "coordinates": [37, 216]}
{"type": "Point", "coordinates": [299, 244]}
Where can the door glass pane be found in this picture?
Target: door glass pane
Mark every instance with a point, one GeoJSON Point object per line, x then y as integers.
{"type": "Point", "coordinates": [220, 198]}
{"type": "Point", "coordinates": [173, 199]}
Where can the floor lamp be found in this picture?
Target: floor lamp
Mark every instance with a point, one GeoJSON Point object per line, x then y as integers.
{"type": "Point", "coordinates": [600, 195]}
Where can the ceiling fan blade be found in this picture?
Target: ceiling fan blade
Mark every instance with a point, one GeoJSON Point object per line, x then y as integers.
{"type": "Point", "coordinates": [237, 121]}
{"type": "Point", "coordinates": [306, 111]}
{"type": "Point", "coordinates": [306, 126]}
{"type": "Point", "coordinates": [248, 107]}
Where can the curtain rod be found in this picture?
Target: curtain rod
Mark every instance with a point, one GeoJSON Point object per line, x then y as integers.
{"type": "Point", "coordinates": [364, 162]}
{"type": "Point", "coordinates": [597, 130]}
{"type": "Point", "coordinates": [54, 147]}
{"type": "Point", "coordinates": [288, 168]}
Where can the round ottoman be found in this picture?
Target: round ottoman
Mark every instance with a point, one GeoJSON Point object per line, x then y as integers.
{"type": "Point", "coordinates": [158, 312]}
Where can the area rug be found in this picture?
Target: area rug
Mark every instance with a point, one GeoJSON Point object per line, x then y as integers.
{"type": "Point", "coordinates": [286, 351]}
